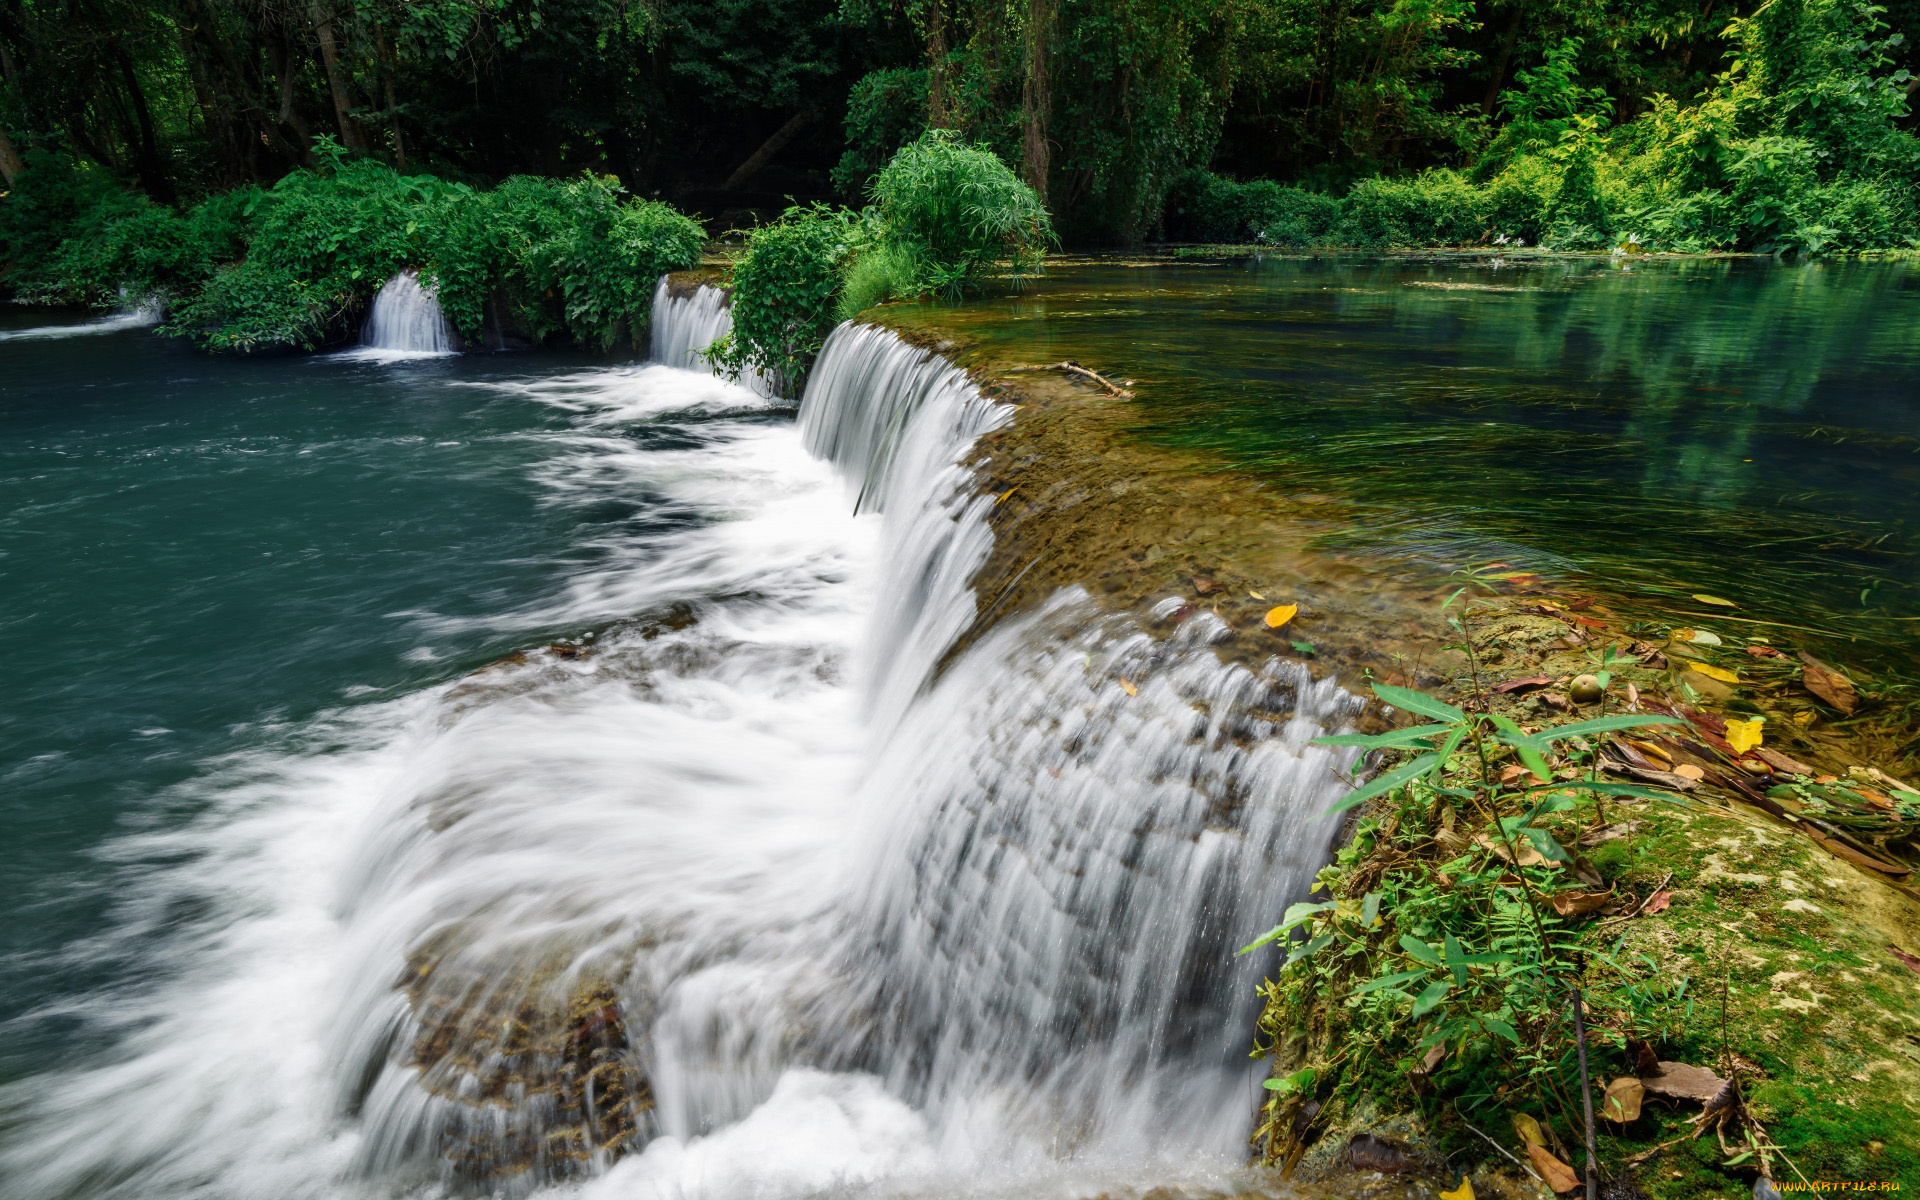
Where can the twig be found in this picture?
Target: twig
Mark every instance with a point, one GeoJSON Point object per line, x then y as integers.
{"type": "Point", "coordinates": [1074, 368]}
{"type": "Point", "coordinates": [1644, 901]}
{"type": "Point", "coordinates": [1586, 1098]}
{"type": "Point", "coordinates": [1489, 1141]}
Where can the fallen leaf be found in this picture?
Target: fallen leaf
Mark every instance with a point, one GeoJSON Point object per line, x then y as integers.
{"type": "Point", "coordinates": [1588, 622]}
{"type": "Point", "coordinates": [1744, 735]}
{"type": "Point", "coordinates": [1555, 700]}
{"type": "Point", "coordinates": [1278, 616]}
{"type": "Point", "coordinates": [1003, 495]}
{"type": "Point", "coordinates": [1529, 1130]}
{"type": "Point", "coordinates": [1622, 1102]}
{"type": "Point", "coordinates": [1633, 696]}
{"type": "Point", "coordinates": [1205, 585]}
{"type": "Point", "coordinates": [1574, 904]}
{"type": "Point", "coordinates": [1650, 750]}
{"type": "Point", "coordinates": [1463, 1192]}
{"type": "Point", "coordinates": [1764, 652]}
{"type": "Point", "coordinates": [1713, 672]}
{"type": "Point", "coordinates": [1529, 857]}
{"type": "Point", "coordinates": [1255, 595]}
{"type": "Point", "coordinates": [1689, 771]}
{"type": "Point", "coordinates": [1682, 1081]}
{"type": "Point", "coordinates": [1302, 647]}
{"type": "Point", "coordinates": [1722, 601]}
{"type": "Point", "coordinates": [1523, 686]}
{"type": "Point", "coordinates": [1126, 685]}
{"type": "Point", "coordinates": [1780, 762]}
{"type": "Point", "coordinates": [1828, 684]}
{"type": "Point", "coordinates": [1671, 779]}
{"type": "Point", "coordinates": [1554, 1173]}
{"type": "Point", "coordinates": [1698, 637]}
{"type": "Point", "coordinates": [1658, 902]}
{"type": "Point", "coordinates": [1434, 1057]}
{"type": "Point", "coordinates": [1912, 961]}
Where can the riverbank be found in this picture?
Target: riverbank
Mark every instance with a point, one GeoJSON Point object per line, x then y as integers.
{"type": "Point", "coordinates": [1757, 864]}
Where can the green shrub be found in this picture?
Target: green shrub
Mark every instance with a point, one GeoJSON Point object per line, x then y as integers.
{"type": "Point", "coordinates": [957, 212]}
{"type": "Point", "coordinates": [877, 272]}
{"type": "Point", "coordinates": [784, 289]}
{"type": "Point", "coordinates": [1434, 208]}
{"type": "Point", "coordinates": [250, 307]}
{"type": "Point", "coordinates": [1203, 207]}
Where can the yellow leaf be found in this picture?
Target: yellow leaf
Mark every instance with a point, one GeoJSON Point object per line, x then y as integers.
{"type": "Point", "coordinates": [1255, 595]}
{"type": "Point", "coordinates": [1126, 685]}
{"type": "Point", "coordinates": [1744, 735]}
{"type": "Point", "coordinates": [1276, 617]}
{"type": "Point", "coordinates": [1463, 1192]}
{"type": "Point", "coordinates": [1529, 1130]}
{"type": "Point", "coordinates": [1010, 491]}
{"type": "Point", "coordinates": [1713, 672]}
{"type": "Point", "coordinates": [1721, 601]}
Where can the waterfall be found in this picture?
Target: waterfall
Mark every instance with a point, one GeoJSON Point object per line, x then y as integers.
{"type": "Point", "coordinates": [406, 320]}
{"type": "Point", "coordinates": [684, 326]}
{"type": "Point", "coordinates": [762, 891]}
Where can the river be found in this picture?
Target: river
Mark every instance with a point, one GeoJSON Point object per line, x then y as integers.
{"type": "Point", "coordinates": [504, 773]}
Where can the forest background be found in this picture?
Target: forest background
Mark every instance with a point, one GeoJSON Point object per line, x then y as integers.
{"type": "Point", "coordinates": [153, 146]}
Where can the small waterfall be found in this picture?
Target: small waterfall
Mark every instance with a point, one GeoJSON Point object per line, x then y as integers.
{"type": "Point", "coordinates": [406, 320]}
{"type": "Point", "coordinates": [684, 326]}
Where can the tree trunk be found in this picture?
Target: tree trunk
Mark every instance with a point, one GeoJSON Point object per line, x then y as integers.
{"type": "Point", "coordinates": [280, 58]}
{"type": "Point", "coordinates": [148, 164]}
{"type": "Point", "coordinates": [1036, 99]}
{"type": "Point", "coordinates": [1500, 68]}
{"type": "Point", "coordinates": [350, 135]}
{"type": "Point", "coordinates": [10, 164]}
{"type": "Point", "coordinates": [389, 68]}
{"type": "Point", "coordinates": [772, 146]}
{"type": "Point", "coordinates": [939, 104]}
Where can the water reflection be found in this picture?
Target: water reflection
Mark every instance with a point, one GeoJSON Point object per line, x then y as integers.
{"type": "Point", "coordinates": [1737, 427]}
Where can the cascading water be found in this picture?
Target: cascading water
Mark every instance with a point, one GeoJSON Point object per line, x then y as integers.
{"type": "Point", "coordinates": [406, 320]}
{"type": "Point", "coordinates": [744, 896]}
{"type": "Point", "coordinates": [684, 326]}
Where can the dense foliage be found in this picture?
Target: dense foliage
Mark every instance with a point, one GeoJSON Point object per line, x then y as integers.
{"type": "Point", "coordinates": [944, 216]}
{"type": "Point", "coordinates": [1781, 124]}
{"type": "Point", "coordinates": [295, 264]}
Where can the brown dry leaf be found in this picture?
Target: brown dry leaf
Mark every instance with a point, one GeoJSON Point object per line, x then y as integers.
{"type": "Point", "coordinates": [1529, 857]}
{"type": "Point", "coordinates": [1658, 902]}
{"type": "Point", "coordinates": [1280, 615]}
{"type": "Point", "coordinates": [1554, 1173]}
{"type": "Point", "coordinates": [1622, 1102]}
{"type": "Point", "coordinates": [1574, 904]}
{"type": "Point", "coordinates": [1689, 771]}
{"type": "Point", "coordinates": [1206, 585]}
{"type": "Point", "coordinates": [1682, 1081]}
{"type": "Point", "coordinates": [1650, 750]}
{"type": "Point", "coordinates": [1764, 652]}
{"type": "Point", "coordinates": [1514, 773]}
{"type": "Point", "coordinates": [1587, 622]}
{"type": "Point", "coordinates": [1633, 696]}
{"type": "Point", "coordinates": [1912, 961]}
{"type": "Point", "coordinates": [1434, 1057]}
{"type": "Point", "coordinates": [1522, 686]}
{"type": "Point", "coordinates": [1126, 685]}
{"type": "Point", "coordinates": [1781, 762]}
{"type": "Point", "coordinates": [1828, 684]}
{"type": "Point", "coordinates": [1668, 779]}
{"type": "Point", "coordinates": [1555, 700]}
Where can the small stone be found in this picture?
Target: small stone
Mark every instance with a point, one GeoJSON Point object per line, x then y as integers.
{"type": "Point", "coordinates": [1585, 689]}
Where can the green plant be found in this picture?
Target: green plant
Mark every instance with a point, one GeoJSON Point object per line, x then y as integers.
{"type": "Point", "coordinates": [784, 289]}
{"type": "Point", "coordinates": [886, 109]}
{"type": "Point", "coordinates": [1447, 947]}
{"type": "Point", "coordinates": [956, 212]}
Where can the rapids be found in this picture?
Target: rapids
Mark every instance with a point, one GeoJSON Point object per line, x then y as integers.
{"type": "Point", "coordinates": [751, 888]}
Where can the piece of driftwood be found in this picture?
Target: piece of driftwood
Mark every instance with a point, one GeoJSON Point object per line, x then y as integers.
{"type": "Point", "coordinates": [1074, 368]}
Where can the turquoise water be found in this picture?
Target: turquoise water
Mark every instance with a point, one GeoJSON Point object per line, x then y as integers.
{"type": "Point", "coordinates": [1742, 428]}
{"type": "Point", "coordinates": [199, 553]}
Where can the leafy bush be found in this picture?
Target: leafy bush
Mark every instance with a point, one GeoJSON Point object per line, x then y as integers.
{"type": "Point", "coordinates": [877, 272]}
{"type": "Point", "coordinates": [957, 212]}
{"type": "Point", "coordinates": [1203, 207]}
{"type": "Point", "coordinates": [783, 294]}
{"type": "Point", "coordinates": [1435, 208]}
{"type": "Point", "coordinates": [250, 307]}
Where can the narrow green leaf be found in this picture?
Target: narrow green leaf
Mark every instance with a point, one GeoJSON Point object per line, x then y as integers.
{"type": "Point", "coordinates": [1309, 949]}
{"type": "Point", "coordinates": [1263, 939]}
{"type": "Point", "coordinates": [1431, 997]}
{"type": "Point", "coordinates": [1418, 702]}
{"type": "Point", "coordinates": [1560, 733]}
{"type": "Point", "coordinates": [1543, 841]}
{"type": "Point", "coordinates": [1380, 741]}
{"type": "Point", "coordinates": [1386, 782]}
{"type": "Point", "coordinates": [1370, 910]}
{"type": "Point", "coordinates": [1420, 950]}
{"type": "Point", "coordinates": [1387, 981]}
{"type": "Point", "coordinates": [1625, 789]}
